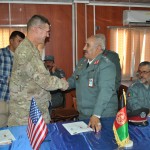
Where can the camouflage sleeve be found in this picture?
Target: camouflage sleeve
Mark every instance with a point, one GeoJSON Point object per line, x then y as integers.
{"type": "Point", "coordinates": [37, 71]}
{"type": "Point", "coordinates": [132, 98]}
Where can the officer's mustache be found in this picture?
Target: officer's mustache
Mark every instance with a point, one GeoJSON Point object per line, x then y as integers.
{"type": "Point", "coordinates": [85, 51]}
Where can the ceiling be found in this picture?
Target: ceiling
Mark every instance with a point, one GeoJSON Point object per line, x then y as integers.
{"type": "Point", "coordinates": [134, 3]}
{"type": "Point", "coordinates": [131, 1]}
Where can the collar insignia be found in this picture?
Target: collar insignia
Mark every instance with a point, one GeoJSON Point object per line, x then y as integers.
{"type": "Point", "coordinates": [96, 62]}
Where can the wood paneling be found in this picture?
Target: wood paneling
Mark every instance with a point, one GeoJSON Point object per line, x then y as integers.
{"type": "Point", "coordinates": [60, 42]}
{"type": "Point", "coordinates": [4, 15]}
{"type": "Point", "coordinates": [60, 16]}
{"type": "Point", "coordinates": [81, 28]}
{"type": "Point", "coordinates": [90, 21]}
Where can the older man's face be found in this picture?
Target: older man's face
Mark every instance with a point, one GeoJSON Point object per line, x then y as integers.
{"type": "Point", "coordinates": [144, 74]}
{"type": "Point", "coordinates": [90, 48]}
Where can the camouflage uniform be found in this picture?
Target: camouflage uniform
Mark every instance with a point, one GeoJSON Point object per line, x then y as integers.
{"type": "Point", "coordinates": [30, 78]}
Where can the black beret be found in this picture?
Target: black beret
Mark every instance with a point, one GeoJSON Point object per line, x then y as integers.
{"type": "Point", "coordinates": [138, 117]}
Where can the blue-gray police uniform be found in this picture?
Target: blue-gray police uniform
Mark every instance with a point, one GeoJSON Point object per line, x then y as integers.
{"type": "Point", "coordinates": [58, 96]}
{"type": "Point", "coordinates": [138, 96]}
{"type": "Point", "coordinates": [113, 57]}
{"type": "Point", "coordinates": [95, 87]}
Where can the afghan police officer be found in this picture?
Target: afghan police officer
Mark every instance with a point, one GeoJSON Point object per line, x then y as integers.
{"type": "Point", "coordinates": [29, 75]}
{"type": "Point", "coordinates": [94, 80]}
{"type": "Point", "coordinates": [138, 94]}
{"type": "Point", "coordinates": [58, 96]}
{"type": "Point", "coordinates": [114, 57]}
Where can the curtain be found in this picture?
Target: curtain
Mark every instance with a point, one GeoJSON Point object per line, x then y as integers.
{"type": "Point", "coordinates": [133, 47]}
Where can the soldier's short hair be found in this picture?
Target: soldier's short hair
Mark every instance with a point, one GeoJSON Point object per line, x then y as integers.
{"type": "Point", "coordinates": [100, 38]}
{"type": "Point", "coordinates": [144, 63]}
{"type": "Point", "coordinates": [15, 33]}
{"type": "Point", "coordinates": [37, 20]}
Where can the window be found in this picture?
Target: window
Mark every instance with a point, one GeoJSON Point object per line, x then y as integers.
{"type": "Point", "coordinates": [5, 33]}
{"type": "Point", "coordinates": [133, 47]}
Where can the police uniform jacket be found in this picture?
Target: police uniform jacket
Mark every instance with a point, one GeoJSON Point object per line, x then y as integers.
{"type": "Point", "coordinates": [95, 87]}
{"type": "Point", "coordinates": [138, 96]}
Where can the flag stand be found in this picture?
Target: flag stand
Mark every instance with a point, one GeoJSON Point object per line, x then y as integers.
{"type": "Point", "coordinates": [129, 145]}
{"type": "Point", "coordinates": [120, 126]}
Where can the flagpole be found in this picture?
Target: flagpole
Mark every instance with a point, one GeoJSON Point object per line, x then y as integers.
{"type": "Point", "coordinates": [130, 142]}
{"type": "Point", "coordinates": [120, 125]}
{"type": "Point", "coordinates": [124, 95]}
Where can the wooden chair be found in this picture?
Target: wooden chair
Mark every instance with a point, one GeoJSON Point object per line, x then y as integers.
{"type": "Point", "coordinates": [65, 114]}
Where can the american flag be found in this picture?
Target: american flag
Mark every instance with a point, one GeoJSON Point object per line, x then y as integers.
{"type": "Point", "coordinates": [37, 129]}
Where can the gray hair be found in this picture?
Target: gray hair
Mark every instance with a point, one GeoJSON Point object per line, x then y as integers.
{"type": "Point", "coordinates": [37, 20]}
{"type": "Point", "coordinates": [100, 39]}
{"type": "Point", "coordinates": [145, 63]}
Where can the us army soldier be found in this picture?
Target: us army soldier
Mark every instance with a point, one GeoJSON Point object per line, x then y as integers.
{"type": "Point", "coordinates": [29, 75]}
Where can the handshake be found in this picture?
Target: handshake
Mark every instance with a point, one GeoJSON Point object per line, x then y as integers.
{"type": "Point", "coordinates": [65, 84]}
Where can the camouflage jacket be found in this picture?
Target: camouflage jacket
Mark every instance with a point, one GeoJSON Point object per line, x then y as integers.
{"type": "Point", "coordinates": [30, 79]}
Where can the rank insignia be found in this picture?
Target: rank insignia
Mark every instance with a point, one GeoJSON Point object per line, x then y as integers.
{"type": "Point", "coordinates": [96, 62]}
{"type": "Point", "coordinates": [129, 94]}
{"type": "Point", "coordinates": [77, 77]}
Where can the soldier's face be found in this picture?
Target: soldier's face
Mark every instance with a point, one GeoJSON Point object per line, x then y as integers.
{"type": "Point", "coordinates": [49, 65]}
{"type": "Point", "coordinates": [90, 49]}
{"type": "Point", "coordinates": [144, 74]}
{"type": "Point", "coordinates": [43, 32]}
{"type": "Point", "coordinates": [15, 42]}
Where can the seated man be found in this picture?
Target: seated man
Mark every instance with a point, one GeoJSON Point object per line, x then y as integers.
{"type": "Point", "coordinates": [57, 95]}
{"type": "Point", "coordinates": [138, 94]}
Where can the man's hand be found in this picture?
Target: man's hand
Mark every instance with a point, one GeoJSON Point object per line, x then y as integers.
{"type": "Point", "coordinates": [95, 123]}
{"type": "Point", "coordinates": [54, 68]}
{"type": "Point", "coordinates": [65, 84]}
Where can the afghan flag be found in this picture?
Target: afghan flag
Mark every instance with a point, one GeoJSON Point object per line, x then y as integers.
{"type": "Point", "coordinates": [120, 126]}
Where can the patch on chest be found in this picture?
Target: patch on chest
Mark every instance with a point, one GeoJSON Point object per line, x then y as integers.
{"type": "Point", "coordinates": [80, 66]}
{"type": "Point", "coordinates": [77, 77]}
{"type": "Point", "coordinates": [91, 82]}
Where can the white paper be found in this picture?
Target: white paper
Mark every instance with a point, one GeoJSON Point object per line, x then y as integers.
{"type": "Point", "coordinates": [77, 127]}
{"type": "Point", "coordinates": [6, 137]}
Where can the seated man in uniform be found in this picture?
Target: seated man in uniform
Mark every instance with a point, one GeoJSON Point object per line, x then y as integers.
{"type": "Point", "coordinates": [138, 94]}
{"type": "Point", "coordinates": [57, 95]}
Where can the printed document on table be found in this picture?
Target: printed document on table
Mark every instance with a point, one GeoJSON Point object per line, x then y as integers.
{"type": "Point", "coordinates": [77, 127]}
{"type": "Point", "coordinates": [6, 137]}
